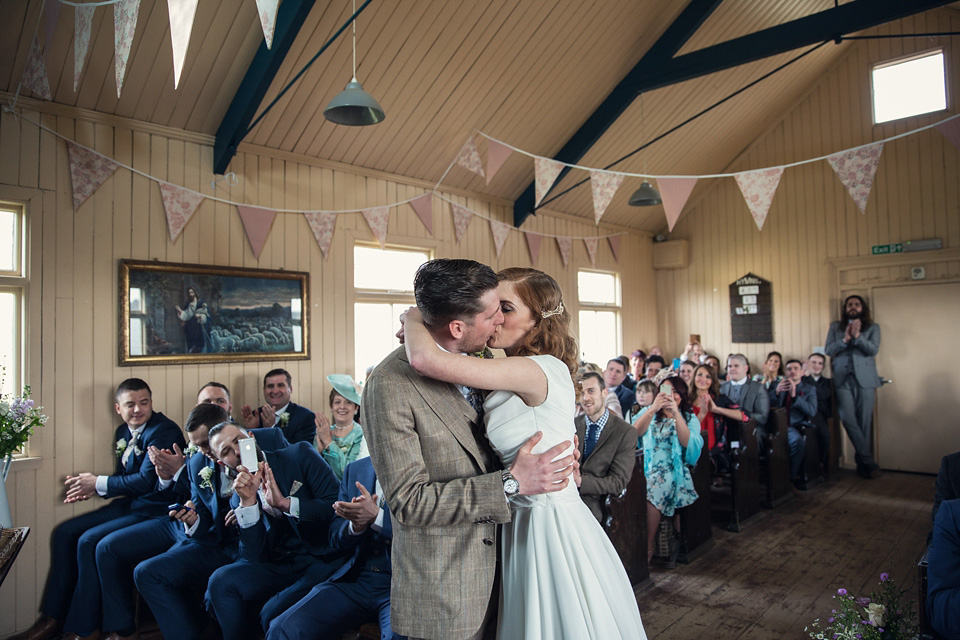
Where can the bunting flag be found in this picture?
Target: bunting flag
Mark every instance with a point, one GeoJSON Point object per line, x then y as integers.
{"type": "Point", "coordinates": [546, 171]}
{"type": "Point", "coordinates": [423, 206]}
{"type": "Point", "coordinates": [179, 205]}
{"type": "Point", "coordinates": [500, 232]}
{"type": "Point", "coordinates": [52, 10]}
{"type": "Point", "coordinates": [497, 154]}
{"type": "Point", "coordinates": [674, 193]}
{"type": "Point", "coordinates": [565, 245]}
{"type": "Point", "coordinates": [35, 73]}
{"type": "Point", "coordinates": [856, 169]}
{"type": "Point", "coordinates": [377, 218]}
{"type": "Point", "coordinates": [758, 188]}
{"type": "Point", "coordinates": [125, 14]}
{"type": "Point", "coordinates": [88, 170]}
{"type": "Point", "coordinates": [951, 131]}
{"type": "Point", "coordinates": [533, 244]}
{"type": "Point", "coordinates": [268, 19]}
{"type": "Point", "coordinates": [461, 220]}
{"type": "Point", "coordinates": [83, 23]}
{"type": "Point", "coordinates": [322, 224]}
{"type": "Point", "coordinates": [256, 222]}
{"type": "Point", "coordinates": [592, 249]}
{"type": "Point", "coordinates": [604, 186]}
{"type": "Point", "coordinates": [614, 246]}
{"type": "Point", "coordinates": [469, 158]}
{"type": "Point", "coordinates": [182, 13]}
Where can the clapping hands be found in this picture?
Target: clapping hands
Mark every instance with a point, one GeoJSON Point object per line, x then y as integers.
{"type": "Point", "coordinates": [362, 511]}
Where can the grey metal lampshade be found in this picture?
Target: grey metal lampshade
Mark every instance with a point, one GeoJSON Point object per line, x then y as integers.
{"type": "Point", "coordinates": [354, 107]}
{"type": "Point", "coordinates": [645, 196]}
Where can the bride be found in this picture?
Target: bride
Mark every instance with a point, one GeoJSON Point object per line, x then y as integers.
{"type": "Point", "coordinates": [561, 576]}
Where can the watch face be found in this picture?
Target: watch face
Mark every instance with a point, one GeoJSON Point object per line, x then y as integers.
{"type": "Point", "coordinates": [511, 486]}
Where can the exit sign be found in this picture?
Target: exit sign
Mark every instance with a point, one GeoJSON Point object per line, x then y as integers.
{"type": "Point", "coordinates": [888, 248]}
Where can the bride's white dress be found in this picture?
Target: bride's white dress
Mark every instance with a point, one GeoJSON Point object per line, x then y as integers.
{"type": "Point", "coordinates": [562, 579]}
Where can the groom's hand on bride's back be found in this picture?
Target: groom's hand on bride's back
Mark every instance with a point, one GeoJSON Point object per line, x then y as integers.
{"type": "Point", "coordinates": [543, 472]}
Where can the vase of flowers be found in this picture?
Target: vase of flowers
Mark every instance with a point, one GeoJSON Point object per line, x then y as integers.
{"type": "Point", "coordinates": [882, 616]}
{"type": "Point", "coordinates": [19, 416]}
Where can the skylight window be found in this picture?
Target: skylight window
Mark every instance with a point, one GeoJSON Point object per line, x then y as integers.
{"type": "Point", "coordinates": [909, 87]}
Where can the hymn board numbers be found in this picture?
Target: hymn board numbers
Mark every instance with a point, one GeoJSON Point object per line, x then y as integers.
{"type": "Point", "coordinates": [751, 309]}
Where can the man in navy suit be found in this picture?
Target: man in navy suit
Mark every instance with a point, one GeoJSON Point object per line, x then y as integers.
{"type": "Point", "coordinates": [943, 571]}
{"type": "Point", "coordinates": [72, 599]}
{"type": "Point", "coordinates": [800, 401]}
{"type": "Point", "coordinates": [615, 376]}
{"type": "Point", "coordinates": [948, 484]}
{"type": "Point", "coordinates": [284, 511]}
{"type": "Point", "coordinates": [359, 591]}
{"type": "Point", "coordinates": [297, 422]}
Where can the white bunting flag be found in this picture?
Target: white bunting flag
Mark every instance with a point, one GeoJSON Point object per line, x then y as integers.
{"type": "Point", "coordinates": [423, 207]}
{"type": "Point", "coordinates": [758, 188]}
{"type": "Point", "coordinates": [500, 232]}
{"type": "Point", "coordinates": [674, 193]}
{"type": "Point", "coordinates": [377, 218]}
{"type": "Point", "coordinates": [592, 244]}
{"type": "Point", "coordinates": [179, 204]}
{"type": "Point", "coordinates": [469, 158]}
{"type": "Point", "coordinates": [497, 154]}
{"type": "Point", "coordinates": [182, 13]}
{"type": "Point", "coordinates": [268, 18]}
{"type": "Point", "coordinates": [615, 246]}
{"type": "Point", "coordinates": [322, 225]}
{"type": "Point", "coordinates": [82, 24]}
{"type": "Point", "coordinates": [533, 244]}
{"type": "Point", "coordinates": [604, 186]}
{"type": "Point", "coordinates": [125, 14]}
{"type": "Point", "coordinates": [565, 245]}
{"type": "Point", "coordinates": [856, 169]}
{"type": "Point", "coordinates": [35, 73]}
{"type": "Point", "coordinates": [88, 170]}
{"type": "Point", "coordinates": [546, 172]}
{"type": "Point", "coordinates": [461, 220]}
{"type": "Point", "coordinates": [256, 222]}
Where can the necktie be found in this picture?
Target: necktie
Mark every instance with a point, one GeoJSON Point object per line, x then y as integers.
{"type": "Point", "coordinates": [131, 446]}
{"type": "Point", "coordinates": [593, 433]}
{"type": "Point", "coordinates": [475, 398]}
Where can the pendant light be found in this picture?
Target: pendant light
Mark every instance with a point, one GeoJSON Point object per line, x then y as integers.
{"type": "Point", "coordinates": [353, 106]}
{"type": "Point", "coordinates": [646, 195]}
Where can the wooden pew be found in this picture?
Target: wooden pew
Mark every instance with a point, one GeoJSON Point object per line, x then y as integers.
{"type": "Point", "coordinates": [696, 528]}
{"type": "Point", "coordinates": [625, 521]}
{"type": "Point", "coordinates": [739, 499]}
{"type": "Point", "coordinates": [812, 468]}
{"type": "Point", "coordinates": [775, 469]}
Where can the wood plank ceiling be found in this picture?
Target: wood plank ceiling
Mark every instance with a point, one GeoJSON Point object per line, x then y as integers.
{"type": "Point", "coordinates": [528, 73]}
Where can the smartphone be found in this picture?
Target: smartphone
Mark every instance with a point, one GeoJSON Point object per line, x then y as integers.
{"type": "Point", "coordinates": [676, 363]}
{"type": "Point", "coordinates": [176, 506]}
{"type": "Point", "coordinates": [666, 388]}
{"type": "Point", "coordinates": [248, 453]}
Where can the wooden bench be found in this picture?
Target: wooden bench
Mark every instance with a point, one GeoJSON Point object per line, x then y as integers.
{"type": "Point", "coordinates": [696, 528]}
{"type": "Point", "coordinates": [738, 500]}
{"type": "Point", "coordinates": [812, 470]}
{"type": "Point", "coordinates": [625, 521]}
{"type": "Point", "coordinates": [775, 465]}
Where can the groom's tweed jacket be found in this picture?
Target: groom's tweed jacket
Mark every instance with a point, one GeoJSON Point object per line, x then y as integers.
{"type": "Point", "coordinates": [442, 483]}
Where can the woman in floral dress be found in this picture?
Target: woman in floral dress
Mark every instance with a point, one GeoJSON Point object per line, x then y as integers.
{"type": "Point", "coordinates": [342, 442]}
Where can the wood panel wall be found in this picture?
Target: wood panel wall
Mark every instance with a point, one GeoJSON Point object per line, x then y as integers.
{"type": "Point", "coordinates": [72, 322]}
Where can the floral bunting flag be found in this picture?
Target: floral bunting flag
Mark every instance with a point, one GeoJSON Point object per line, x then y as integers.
{"type": "Point", "coordinates": [377, 218]}
{"type": "Point", "coordinates": [604, 185]}
{"type": "Point", "coordinates": [461, 220]}
{"type": "Point", "coordinates": [615, 246]}
{"type": "Point", "coordinates": [500, 232]}
{"type": "Point", "coordinates": [497, 154]}
{"type": "Point", "coordinates": [179, 204]}
{"type": "Point", "coordinates": [591, 244]}
{"type": "Point", "coordinates": [546, 171]}
{"type": "Point", "coordinates": [182, 13]}
{"type": "Point", "coordinates": [565, 245]}
{"type": "Point", "coordinates": [951, 131]}
{"type": "Point", "coordinates": [88, 170]}
{"type": "Point", "coordinates": [533, 244]}
{"type": "Point", "coordinates": [35, 73]}
{"type": "Point", "coordinates": [256, 222]}
{"type": "Point", "coordinates": [469, 158]}
{"type": "Point", "coordinates": [83, 23]}
{"type": "Point", "coordinates": [856, 169]}
{"type": "Point", "coordinates": [322, 225]}
{"type": "Point", "coordinates": [423, 207]}
{"type": "Point", "coordinates": [674, 193]}
{"type": "Point", "coordinates": [268, 18]}
{"type": "Point", "coordinates": [758, 188]}
{"type": "Point", "coordinates": [125, 14]}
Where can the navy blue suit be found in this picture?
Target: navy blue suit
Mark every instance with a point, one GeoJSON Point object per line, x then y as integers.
{"type": "Point", "coordinates": [803, 408]}
{"type": "Point", "coordinates": [357, 592]}
{"type": "Point", "coordinates": [943, 571]}
{"type": "Point", "coordinates": [73, 591]}
{"type": "Point", "coordinates": [301, 426]}
{"type": "Point", "coordinates": [626, 396]}
{"type": "Point", "coordinates": [282, 557]}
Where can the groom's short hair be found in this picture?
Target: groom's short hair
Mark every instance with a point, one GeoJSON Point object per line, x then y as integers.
{"type": "Point", "coordinates": [448, 290]}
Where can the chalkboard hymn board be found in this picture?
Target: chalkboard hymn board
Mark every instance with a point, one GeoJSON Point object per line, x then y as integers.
{"type": "Point", "coordinates": [751, 309]}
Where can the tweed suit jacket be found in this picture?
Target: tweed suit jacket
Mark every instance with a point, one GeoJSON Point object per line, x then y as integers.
{"type": "Point", "coordinates": [443, 486]}
{"type": "Point", "coordinates": [609, 468]}
{"type": "Point", "coordinates": [861, 352]}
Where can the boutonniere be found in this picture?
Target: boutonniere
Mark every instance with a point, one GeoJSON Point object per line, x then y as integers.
{"type": "Point", "coordinates": [284, 419]}
{"type": "Point", "coordinates": [206, 474]}
{"type": "Point", "coordinates": [192, 449]}
{"type": "Point", "coordinates": [121, 446]}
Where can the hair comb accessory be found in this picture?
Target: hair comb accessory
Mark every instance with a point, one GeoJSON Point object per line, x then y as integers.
{"type": "Point", "coordinates": [664, 374]}
{"type": "Point", "coordinates": [553, 312]}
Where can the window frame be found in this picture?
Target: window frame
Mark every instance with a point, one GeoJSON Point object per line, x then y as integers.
{"type": "Point", "coordinates": [17, 282]}
{"type": "Point", "coordinates": [616, 307]}
{"type": "Point", "coordinates": [902, 60]}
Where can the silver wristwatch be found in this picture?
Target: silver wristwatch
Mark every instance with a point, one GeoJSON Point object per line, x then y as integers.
{"type": "Point", "coordinates": [511, 486]}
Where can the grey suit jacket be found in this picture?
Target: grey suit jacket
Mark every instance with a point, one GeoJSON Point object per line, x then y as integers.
{"type": "Point", "coordinates": [861, 352]}
{"type": "Point", "coordinates": [754, 400]}
{"type": "Point", "coordinates": [442, 483]}
{"type": "Point", "coordinates": [610, 465]}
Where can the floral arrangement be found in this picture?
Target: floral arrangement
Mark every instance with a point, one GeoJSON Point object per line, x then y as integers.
{"type": "Point", "coordinates": [206, 475]}
{"type": "Point", "coordinates": [191, 449]}
{"type": "Point", "coordinates": [284, 419]}
{"type": "Point", "coordinates": [882, 616]}
{"type": "Point", "coordinates": [19, 416]}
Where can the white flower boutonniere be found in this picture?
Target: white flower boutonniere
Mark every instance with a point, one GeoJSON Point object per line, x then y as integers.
{"type": "Point", "coordinates": [284, 419]}
{"type": "Point", "coordinates": [205, 475]}
{"type": "Point", "coordinates": [121, 446]}
{"type": "Point", "coordinates": [192, 449]}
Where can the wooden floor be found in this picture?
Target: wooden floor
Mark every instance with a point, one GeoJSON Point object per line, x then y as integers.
{"type": "Point", "coordinates": [780, 573]}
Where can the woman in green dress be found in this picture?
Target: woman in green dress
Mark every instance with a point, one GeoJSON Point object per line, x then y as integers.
{"type": "Point", "coordinates": [342, 442]}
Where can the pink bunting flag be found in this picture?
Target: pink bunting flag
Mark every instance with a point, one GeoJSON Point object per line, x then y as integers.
{"type": "Point", "coordinates": [500, 232]}
{"type": "Point", "coordinates": [52, 9]}
{"type": "Point", "coordinates": [125, 14]}
{"type": "Point", "coordinates": [497, 154]}
{"type": "Point", "coordinates": [758, 188]}
{"type": "Point", "coordinates": [182, 13]}
{"type": "Point", "coordinates": [614, 246]}
{"type": "Point", "coordinates": [179, 204]}
{"type": "Point", "coordinates": [35, 73]}
{"type": "Point", "coordinates": [377, 218]}
{"type": "Point", "coordinates": [256, 222]}
{"type": "Point", "coordinates": [604, 186]}
{"type": "Point", "coordinates": [546, 172]}
{"type": "Point", "coordinates": [674, 193]}
{"type": "Point", "coordinates": [423, 206]}
{"type": "Point", "coordinates": [461, 220]}
{"type": "Point", "coordinates": [533, 244]}
{"type": "Point", "coordinates": [83, 23]}
{"type": "Point", "coordinates": [322, 225]}
{"type": "Point", "coordinates": [565, 245]}
{"type": "Point", "coordinates": [592, 244]}
{"type": "Point", "coordinates": [856, 169]}
{"type": "Point", "coordinates": [469, 158]}
{"type": "Point", "coordinates": [88, 170]}
{"type": "Point", "coordinates": [951, 131]}
{"type": "Point", "coordinates": [268, 18]}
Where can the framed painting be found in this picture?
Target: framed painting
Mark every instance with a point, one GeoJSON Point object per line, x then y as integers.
{"type": "Point", "coordinates": [173, 313]}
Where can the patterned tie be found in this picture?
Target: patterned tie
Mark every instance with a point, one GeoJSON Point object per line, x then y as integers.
{"type": "Point", "coordinates": [475, 398]}
{"type": "Point", "coordinates": [593, 433]}
{"type": "Point", "coordinates": [131, 446]}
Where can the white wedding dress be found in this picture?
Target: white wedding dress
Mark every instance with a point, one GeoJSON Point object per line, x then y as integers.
{"type": "Point", "coordinates": [562, 579]}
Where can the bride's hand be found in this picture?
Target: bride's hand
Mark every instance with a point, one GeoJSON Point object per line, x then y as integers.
{"type": "Point", "coordinates": [413, 314]}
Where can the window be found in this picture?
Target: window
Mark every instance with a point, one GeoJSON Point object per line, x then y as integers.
{"type": "Point", "coordinates": [383, 281]}
{"type": "Point", "coordinates": [12, 287]}
{"type": "Point", "coordinates": [599, 295]}
{"type": "Point", "coordinates": [909, 87]}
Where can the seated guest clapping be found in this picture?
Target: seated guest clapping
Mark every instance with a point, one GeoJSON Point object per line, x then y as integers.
{"type": "Point", "coordinates": [824, 386]}
{"type": "Point", "coordinates": [800, 401]}
{"type": "Point", "coordinates": [748, 395]}
{"type": "Point", "coordinates": [772, 371]}
{"type": "Point", "coordinates": [359, 591]}
{"type": "Point", "coordinates": [296, 422]}
{"type": "Point", "coordinates": [342, 442]}
{"type": "Point", "coordinates": [719, 416]}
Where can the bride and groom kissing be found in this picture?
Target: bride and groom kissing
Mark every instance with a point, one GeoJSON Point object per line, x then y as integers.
{"type": "Point", "coordinates": [454, 465]}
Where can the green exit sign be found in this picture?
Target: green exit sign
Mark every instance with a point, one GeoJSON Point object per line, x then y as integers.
{"type": "Point", "coordinates": [888, 248]}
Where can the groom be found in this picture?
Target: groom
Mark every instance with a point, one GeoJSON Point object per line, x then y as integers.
{"type": "Point", "coordinates": [442, 482]}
